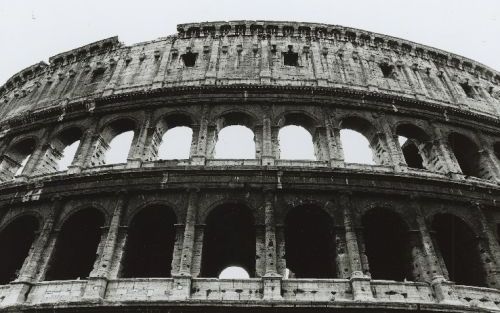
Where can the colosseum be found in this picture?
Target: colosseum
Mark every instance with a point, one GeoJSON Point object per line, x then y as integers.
{"type": "Point", "coordinates": [417, 230]}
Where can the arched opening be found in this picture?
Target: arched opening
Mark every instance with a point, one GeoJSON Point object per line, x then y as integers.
{"type": "Point", "coordinates": [234, 272]}
{"type": "Point", "coordinates": [235, 137]}
{"type": "Point", "coordinates": [116, 140]}
{"type": "Point", "coordinates": [15, 242]}
{"type": "Point", "coordinates": [467, 154]}
{"type": "Point", "coordinates": [76, 248]}
{"type": "Point", "coordinates": [356, 147]}
{"type": "Point", "coordinates": [61, 152]}
{"type": "Point", "coordinates": [235, 142]}
{"type": "Point", "coordinates": [229, 240]}
{"type": "Point", "coordinates": [459, 248]}
{"type": "Point", "coordinates": [360, 143]}
{"type": "Point", "coordinates": [298, 138]}
{"type": "Point", "coordinates": [176, 143]}
{"type": "Point", "coordinates": [310, 243]}
{"type": "Point", "coordinates": [172, 138]}
{"type": "Point", "coordinates": [15, 158]}
{"type": "Point", "coordinates": [150, 243]}
{"type": "Point", "coordinates": [386, 238]}
{"type": "Point", "coordinates": [413, 141]}
{"type": "Point", "coordinates": [296, 143]}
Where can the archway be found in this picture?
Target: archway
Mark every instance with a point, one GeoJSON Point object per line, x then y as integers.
{"type": "Point", "coordinates": [16, 240]}
{"type": "Point", "coordinates": [235, 136]}
{"type": "Point", "coordinates": [229, 240]}
{"type": "Point", "coordinates": [15, 158]}
{"type": "Point", "coordinates": [414, 145]}
{"type": "Point", "coordinates": [310, 243]}
{"type": "Point", "coordinates": [360, 142]}
{"type": "Point", "coordinates": [150, 243]}
{"type": "Point", "coordinates": [75, 251]}
{"type": "Point", "coordinates": [459, 248]}
{"type": "Point", "coordinates": [387, 245]}
{"type": "Point", "coordinates": [467, 154]}
{"type": "Point", "coordinates": [298, 138]}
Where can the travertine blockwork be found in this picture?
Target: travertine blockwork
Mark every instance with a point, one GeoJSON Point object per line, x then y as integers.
{"type": "Point", "coordinates": [416, 231]}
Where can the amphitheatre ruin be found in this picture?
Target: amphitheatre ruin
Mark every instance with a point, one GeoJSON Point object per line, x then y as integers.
{"type": "Point", "coordinates": [417, 230]}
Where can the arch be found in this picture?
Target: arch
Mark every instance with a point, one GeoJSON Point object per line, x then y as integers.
{"type": "Point", "coordinates": [310, 243]}
{"type": "Point", "coordinates": [458, 246]}
{"type": "Point", "coordinates": [173, 133]}
{"type": "Point", "coordinates": [16, 157]}
{"type": "Point", "coordinates": [413, 141]}
{"type": "Point", "coordinates": [386, 237]}
{"type": "Point", "coordinates": [150, 243]}
{"type": "Point", "coordinates": [466, 152]}
{"type": "Point", "coordinates": [117, 137]}
{"type": "Point", "coordinates": [76, 247]}
{"type": "Point", "coordinates": [16, 239]}
{"type": "Point", "coordinates": [298, 138]}
{"type": "Point", "coordinates": [235, 137]}
{"type": "Point", "coordinates": [62, 150]}
{"type": "Point", "coordinates": [229, 240]}
{"type": "Point", "coordinates": [360, 143]}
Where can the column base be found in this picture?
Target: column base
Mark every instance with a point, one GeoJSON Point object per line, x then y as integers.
{"type": "Point", "coordinates": [272, 287]}
{"type": "Point", "coordinates": [181, 287]}
{"type": "Point", "coordinates": [267, 161]}
{"type": "Point", "coordinates": [95, 289]}
{"type": "Point", "coordinates": [198, 160]}
{"type": "Point", "coordinates": [17, 293]}
{"type": "Point", "coordinates": [74, 169]}
{"type": "Point", "coordinates": [444, 291]}
{"type": "Point", "coordinates": [361, 288]}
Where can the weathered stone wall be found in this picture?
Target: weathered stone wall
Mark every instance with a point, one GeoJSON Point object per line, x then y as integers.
{"type": "Point", "coordinates": [343, 78]}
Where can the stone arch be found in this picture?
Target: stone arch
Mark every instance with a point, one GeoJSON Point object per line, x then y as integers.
{"type": "Point", "coordinates": [458, 246]}
{"type": "Point", "coordinates": [165, 124]}
{"type": "Point", "coordinates": [150, 243]}
{"type": "Point", "coordinates": [310, 243]}
{"type": "Point", "coordinates": [376, 144]}
{"type": "Point", "coordinates": [306, 129]}
{"type": "Point", "coordinates": [110, 131]}
{"type": "Point", "coordinates": [57, 150]}
{"type": "Point", "coordinates": [467, 154]}
{"type": "Point", "coordinates": [418, 150]}
{"type": "Point", "coordinates": [16, 156]}
{"type": "Point", "coordinates": [16, 238]}
{"type": "Point", "coordinates": [76, 247]}
{"type": "Point", "coordinates": [387, 244]}
{"type": "Point", "coordinates": [228, 123]}
{"type": "Point", "coordinates": [229, 240]}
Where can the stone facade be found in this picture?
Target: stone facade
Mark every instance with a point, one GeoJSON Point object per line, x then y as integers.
{"type": "Point", "coordinates": [382, 232]}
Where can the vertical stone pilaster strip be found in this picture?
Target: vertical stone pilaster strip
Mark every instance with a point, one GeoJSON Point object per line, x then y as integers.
{"type": "Point", "coordinates": [360, 282]}
{"type": "Point", "coordinates": [270, 235]}
{"type": "Point", "coordinates": [201, 147]}
{"type": "Point", "coordinates": [137, 151]}
{"type": "Point", "coordinates": [186, 262]}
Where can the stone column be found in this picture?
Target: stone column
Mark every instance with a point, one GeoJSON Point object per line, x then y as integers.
{"type": "Point", "coordinates": [488, 247]}
{"type": "Point", "coordinates": [201, 146]}
{"type": "Point", "coordinates": [98, 278]}
{"type": "Point", "coordinates": [392, 145]}
{"type": "Point", "coordinates": [89, 142]}
{"type": "Point", "coordinates": [444, 152]}
{"type": "Point", "coordinates": [489, 156]}
{"type": "Point", "coordinates": [138, 147]}
{"type": "Point", "coordinates": [333, 140]}
{"type": "Point", "coordinates": [189, 233]}
{"type": "Point", "coordinates": [267, 141]}
{"type": "Point", "coordinates": [360, 282]}
{"type": "Point", "coordinates": [271, 278]}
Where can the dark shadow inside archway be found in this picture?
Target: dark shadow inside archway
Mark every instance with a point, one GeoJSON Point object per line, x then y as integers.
{"type": "Point", "coordinates": [76, 247]}
{"type": "Point", "coordinates": [150, 243]}
{"type": "Point", "coordinates": [310, 243]}
{"type": "Point", "coordinates": [387, 245]}
{"type": "Point", "coordinates": [15, 242]}
{"type": "Point", "coordinates": [467, 154]}
{"type": "Point", "coordinates": [229, 240]}
{"type": "Point", "coordinates": [459, 248]}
